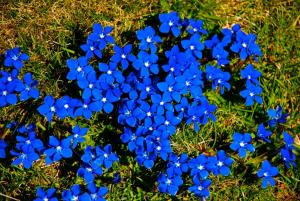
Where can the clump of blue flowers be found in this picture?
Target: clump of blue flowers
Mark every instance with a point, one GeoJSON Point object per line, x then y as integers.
{"type": "Point", "coordinates": [150, 89]}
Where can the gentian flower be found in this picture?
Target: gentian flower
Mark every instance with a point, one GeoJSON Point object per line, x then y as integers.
{"type": "Point", "coordinates": [288, 140]}
{"type": "Point", "coordinates": [288, 157]}
{"type": "Point", "coordinates": [267, 172]}
{"type": "Point", "coordinates": [88, 84]}
{"type": "Point", "coordinates": [106, 157]}
{"type": "Point", "coordinates": [193, 46]}
{"type": "Point", "coordinates": [251, 74]}
{"type": "Point", "coordinates": [57, 150]}
{"type": "Point", "coordinates": [90, 156]}
{"type": "Point", "coordinates": [252, 94]}
{"type": "Point", "coordinates": [242, 143]}
{"type": "Point", "coordinates": [146, 64]}
{"type": "Point", "coordinates": [129, 113]}
{"type": "Point", "coordinates": [198, 166]}
{"type": "Point", "coordinates": [276, 116]}
{"type": "Point", "coordinates": [77, 136]}
{"type": "Point", "coordinates": [205, 111]}
{"type": "Point", "coordinates": [178, 164]}
{"type": "Point", "coordinates": [102, 35]}
{"type": "Point", "coordinates": [169, 22]}
{"type": "Point", "coordinates": [220, 164]}
{"type": "Point", "coordinates": [162, 103]}
{"type": "Point", "coordinates": [263, 133]}
{"type": "Point", "coordinates": [116, 178]}
{"type": "Point", "coordinates": [78, 68]}
{"type": "Point", "coordinates": [25, 157]}
{"type": "Point", "coordinates": [110, 74]}
{"type": "Point", "coordinates": [148, 39]}
{"type": "Point", "coordinates": [3, 145]}
{"type": "Point", "coordinates": [200, 187]}
{"type": "Point", "coordinates": [29, 143]}
{"type": "Point", "coordinates": [48, 195]}
{"type": "Point", "coordinates": [87, 172]}
{"type": "Point", "coordinates": [48, 108]}
{"type": "Point", "coordinates": [169, 183]}
{"type": "Point", "coordinates": [196, 26]}
{"type": "Point", "coordinates": [14, 58]}
{"type": "Point", "coordinates": [65, 106]}
{"type": "Point", "coordinates": [218, 78]}
{"type": "Point", "coordinates": [97, 194]}
{"type": "Point", "coordinates": [27, 89]}
{"type": "Point", "coordinates": [123, 55]}
{"type": "Point", "coordinates": [74, 194]}
{"type": "Point", "coordinates": [85, 109]}
{"type": "Point", "coordinates": [170, 88]}
{"type": "Point", "coordinates": [145, 159]}
{"type": "Point", "coordinates": [245, 45]}
{"type": "Point", "coordinates": [7, 95]}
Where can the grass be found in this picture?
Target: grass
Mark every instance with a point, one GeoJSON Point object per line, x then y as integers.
{"type": "Point", "coordinates": [50, 31]}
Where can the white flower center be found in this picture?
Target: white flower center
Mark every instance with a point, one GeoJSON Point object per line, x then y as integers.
{"type": "Point", "coordinates": [200, 188]}
{"type": "Point", "coordinates": [79, 69]}
{"type": "Point", "coordinates": [66, 106]}
{"type": "Point", "coordinates": [76, 136]}
{"type": "Point", "coordinates": [170, 89]}
{"type": "Point", "coordinates": [167, 123]}
{"type": "Point", "coordinates": [9, 79]}
{"type": "Point", "coordinates": [249, 77]}
{"type": "Point", "coordinates": [15, 57]}
{"type": "Point", "coordinates": [89, 169]}
{"type": "Point", "coordinates": [147, 89]}
{"type": "Point", "coordinates": [162, 103]}
{"type": "Point", "coordinates": [177, 164]}
{"type": "Point", "coordinates": [171, 23]}
{"type": "Point", "coordinates": [45, 199]}
{"type": "Point", "coordinates": [58, 148]}
{"type": "Point", "coordinates": [242, 144]}
{"type": "Point", "coordinates": [219, 81]}
{"type": "Point", "coordinates": [187, 83]}
{"type": "Point", "coordinates": [92, 48]}
{"type": "Point", "coordinates": [266, 174]}
{"type": "Point", "coordinates": [220, 164]}
{"type": "Point", "coordinates": [52, 109]}
{"type": "Point", "coordinates": [172, 69]}
{"type": "Point", "coordinates": [74, 198]}
{"type": "Point", "coordinates": [201, 167]}
{"type": "Point", "coordinates": [168, 181]}
{"type": "Point", "coordinates": [85, 106]}
{"type": "Point", "coordinates": [149, 39]}
{"type": "Point", "coordinates": [158, 148]}
{"type": "Point", "coordinates": [149, 114]}
{"type": "Point", "coordinates": [94, 196]}
{"type": "Point", "coordinates": [109, 72]}
{"type": "Point", "coordinates": [104, 99]}
{"type": "Point", "coordinates": [91, 86]}
{"type": "Point", "coordinates": [192, 47]}
{"type": "Point", "coordinates": [105, 155]}
{"type": "Point", "coordinates": [244, 45]}
{"type": "Point", "coordinates": [147, 64]}
{"type": "Point", "coordinates": [102, 35]}
{"type": "Point", "coordinates": [123, 56]}
{"type": "Point", "coordinates": [27, 88]}
{"type": "Point", "coordinates": [251, 94]}
{"type": "Point", "coordinates": [195, 30]}
{"type": "Point", "coordinates": [4, 93]}
{"type": "Point", "coordinates": [28, 142]}
{"type": "Point", "coordinates": [150, 128]}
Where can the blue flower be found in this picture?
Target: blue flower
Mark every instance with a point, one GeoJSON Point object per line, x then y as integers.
{"type": "Point", "coordinates": [97, 194]}
{"type": "Point", "coordinates": [196, 26]}
{"type": "Point", "coordinates": [102, 34]}
{"type": "Point", "coordinates": [276, 116]}
{"type": "Point", "coordinates": [77, 136]}
{"type": "Point", "coordinates": [78, 68]}
{"type": "Point", "coordinates": [88, 84]}
{"type": "Point", "coordinates": [288, 140]}
{"type": "Point", "coordinates": [106, 157]}
{"type": "Point", "coordinates": [110, 74]}
{"type": "Point", "coordinates": [90, 156]}
{"type": "Point", "coordinates": [146, 64]}
{"type": "Point", "coordinates": [25, 157]}
{"type": "Point", "coordinates": [123, 55]}
{"type": "Point", "coordinates": [116, 178]}
{"type": "Point", "coordinates": [170, 88]}
{"type": "Point", "coordinates": [65, 106]}
{"type": "Point", "coordinates": [251, 75]}
{"type": "Point", "coordinates": [14, 58]}
{"type": "Point", "coordinates": [220, 164]}
{"type": "Point", "coordinates": [57, 150]}
{"type": "Point", "coordinates": [144, 158]}
{"type": "Point", "coordinates": [27, 89]}
{"type": "Point", "coordinates": [85, 109]}
{"type": "Point", "coordinates": [48, 195]}
{"type": "Point", "coordinates": [162, 103]}
{"type": "Point", "coordinates": [29, 143]}
{"type": "Point", "coordinates": [169, 183]}
{"type": "Point", "coordinates": [198, 166]}
{"type": "Point", "coordinates": [193, 46]}
{"type": "Point", "coordinates": [178, 164]}
{"type": "Point", "coordinates": [88, 172]}
{"type": "Point", "coordinates": [148, 39]}
{"type": "Point", "coordinates": [218, 78]}
{"type": "Point", "coordinates": [263, 133]}
{"type": "Point", "coordinates": [288, 157]}
{"type": "Point", "coordinates": [252, 94]}
{"type": "Point", "coordinates": [169, 22]}
{"type": "Point", "coordinates": [7, 95]}
{"type": "Point", "coordinates": [3, 146]}
{"type": "Point", "coordinates": [129, 113]}
{"type": "Point", "coordinates": [205, 111]}
{"type": "Point", "coordinates": [200, 187]}
{"type": "Point", "coordinates": [267, 172]}
{"type": "Point", "coordinates": [47, 109]}
{"type": "Point", "coordinates": [74, 194]}
{"type": "Point", "coordinates": [245, 45]}
{"type": "Point", "coordinates": [242, 143]}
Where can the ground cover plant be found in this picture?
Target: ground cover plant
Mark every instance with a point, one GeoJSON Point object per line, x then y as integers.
{"type": "Point", "coordinates": [174, 108]}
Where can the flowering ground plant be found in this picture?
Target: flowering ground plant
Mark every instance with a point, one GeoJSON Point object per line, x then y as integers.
{"type": "Point", "coordinates": [169, 78]}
